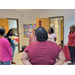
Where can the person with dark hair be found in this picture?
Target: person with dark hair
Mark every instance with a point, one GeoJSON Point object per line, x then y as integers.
{"type": "Point", "coordinates": [9, 36]}
{"type": "Point", "coordinates": [5, 49]}
{"type": "Point", "coordinates": [42, 52]}
{"type": "Point", "coordinates": [51, 35]}
{"type": "Point", "coordinates": [71, 43]}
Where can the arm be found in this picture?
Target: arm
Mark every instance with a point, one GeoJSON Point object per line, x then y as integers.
{"type": "Point", "coordinates": [55, 39]}
{"type": "Point", "coordinates": [61, 59]}
{"type": "Point", "coordinates": [24, 59]}
{"type": "Point", "coordinates": [16, 35]}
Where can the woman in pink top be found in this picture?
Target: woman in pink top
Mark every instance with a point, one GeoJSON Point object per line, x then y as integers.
{"type": "Point", "coordinates": [71, 43]}
{"type": "Point", "coordinates": [32, 37]}
{"type": "Point", "coordinates": [5, 49]}
{"type": "Point", "coordinates": [42, 52]}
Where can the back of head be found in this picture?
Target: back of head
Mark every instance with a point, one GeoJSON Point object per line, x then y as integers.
{"type": "Point", "coordinates": [41, 34]}
{"type": "Point", "coordinates": [2, 31]}
{"type": "Point", "coordinates": [51, 30]}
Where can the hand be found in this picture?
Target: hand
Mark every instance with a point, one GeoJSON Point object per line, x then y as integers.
{"type": "Point", "coordinates": [11, 43]}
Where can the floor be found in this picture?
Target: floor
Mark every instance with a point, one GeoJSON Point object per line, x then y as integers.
{"type": "Point", "coordinates": [18, 61]}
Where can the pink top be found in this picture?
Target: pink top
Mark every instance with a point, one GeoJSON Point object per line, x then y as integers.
{"type": "Point", "coordinates": [43, 53]}
{"type": "Point", "coordinates": [5, 50]}
{"type": "Point", "coordinates": [71, 39]}
{"type": "Point", "coordinates": [32, 38]}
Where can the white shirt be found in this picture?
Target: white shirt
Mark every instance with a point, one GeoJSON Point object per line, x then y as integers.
{"type": "Point", "coordinates": [51, 37]}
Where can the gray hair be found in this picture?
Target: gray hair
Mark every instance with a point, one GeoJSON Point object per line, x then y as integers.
{"type": "Point", "coordinates": [73, 26]}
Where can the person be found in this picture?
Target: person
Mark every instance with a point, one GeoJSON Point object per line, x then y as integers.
{"type": "Point", "coordinates": [32, 37]}
{"type": "Point", "coordinates": [42, 52]}
{"type": "Point", "coordinates": [51, 35]}
{"type": "Point", "coordinates": [71, 43]}
{"type": "Point", "coordinates": [8, 36]}
{"type": "Point", "coordinates": [5, 49]}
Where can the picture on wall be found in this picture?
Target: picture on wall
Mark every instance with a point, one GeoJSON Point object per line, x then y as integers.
{"type": "Point", "coordinates": [27, 29]}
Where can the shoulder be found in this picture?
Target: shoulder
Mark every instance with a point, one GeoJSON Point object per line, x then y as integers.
{"type": "Point", "coordinates": [53, 34]}
{"type": "Point", "coordinates": [53, 43]}
{"type": "Point", "coordinates": [74, 32]}
{"type": "Point", "coordinates": [5, 40]}
{"type": "Point", "coordinates": [6, 35]}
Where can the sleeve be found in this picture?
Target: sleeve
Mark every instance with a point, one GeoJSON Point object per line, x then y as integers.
{"type": "Point", "coordinates": [6, 35]}
{"type": "Point", "coordinates": [7, 44]}
{"type": "Point", "coordinates": [27, 49]}
{"type": "Point", "coordinates": [54, 36]}
{"type": "Point", "coordinates": [59, 49]}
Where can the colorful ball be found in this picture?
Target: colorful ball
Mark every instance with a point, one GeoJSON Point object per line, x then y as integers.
{"type": "Point", "coordinates": [15, 40]}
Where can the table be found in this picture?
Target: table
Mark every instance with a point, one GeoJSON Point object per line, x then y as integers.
{"type": "Point", "coordinates": [66, 52]}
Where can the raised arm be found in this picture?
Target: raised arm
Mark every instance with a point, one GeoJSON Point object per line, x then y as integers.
{"type": "Point", "coordinates": [61, 59]}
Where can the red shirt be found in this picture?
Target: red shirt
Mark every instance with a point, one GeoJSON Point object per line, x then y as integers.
{"type": "Point", "coordinates": [43, 53]}
{"type": "Point", "coordinates": [71, 39]}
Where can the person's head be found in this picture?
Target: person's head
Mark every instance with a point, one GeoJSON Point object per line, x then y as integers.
{"type": "Point", "coordinates": [72, 28]}
{"type": "Point", "coordinates": [41, 34]}
{"type": "Point", "coordinates": [10, 31]}
{"type": "Point", "coordinates": [33, 31]}
{"type": "Point", "coordinates": [50, 30]}
{"type": "Point", "coordinates": [2, 31]}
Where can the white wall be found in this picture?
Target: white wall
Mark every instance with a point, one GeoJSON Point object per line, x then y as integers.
{"type": "Point", "coordinates": [8, 13]}
{"type": "Point", "coordinates": [69, 18]}
{"type": "Point", "coordinates": [12, 24]}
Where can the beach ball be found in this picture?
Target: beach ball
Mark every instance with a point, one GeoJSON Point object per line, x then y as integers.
{"type": "Point", "coordinates": [15, 40]}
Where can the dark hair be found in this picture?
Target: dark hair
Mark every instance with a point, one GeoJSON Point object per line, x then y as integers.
{"type": "Point", "coordinates": [9, 31]}
{"type": "Point", "coordinates": [52, 30]}
{"type": "Point", "coordinates": [41, 34]}
{"type": "Point", "coordinates": [2, 31]}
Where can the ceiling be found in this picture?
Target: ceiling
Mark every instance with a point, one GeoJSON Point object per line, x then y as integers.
{"type": "Point", "coordinates": [24, 9]}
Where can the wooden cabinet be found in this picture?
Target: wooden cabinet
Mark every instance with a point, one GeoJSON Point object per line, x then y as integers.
{"type": "Point", "coordinates": [4, 24]}
{"type": "Point", "coordinates": [44, 22]}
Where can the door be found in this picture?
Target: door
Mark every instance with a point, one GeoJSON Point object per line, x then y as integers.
{"type": "Point", "coordinates": [4, 24]}
{"type": "Point", "coordinates": [44, 22]}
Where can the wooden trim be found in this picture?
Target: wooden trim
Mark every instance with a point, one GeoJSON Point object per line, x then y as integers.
{"type": "Point", "coordinates": [57, 17]}
{"type": "Point", "coordinates": [17, 30]}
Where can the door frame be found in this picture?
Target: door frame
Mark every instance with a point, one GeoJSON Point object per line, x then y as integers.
{"type": "Point", "coordinates": [63, 24]}
{"type": "Point", "coordinates": [17, 30]}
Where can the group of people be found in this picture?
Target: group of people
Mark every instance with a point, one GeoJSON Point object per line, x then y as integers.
{"type": "Point", "coordinates": [51, 36]}
{"type": "Point", "coordinates": [42, 49]}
